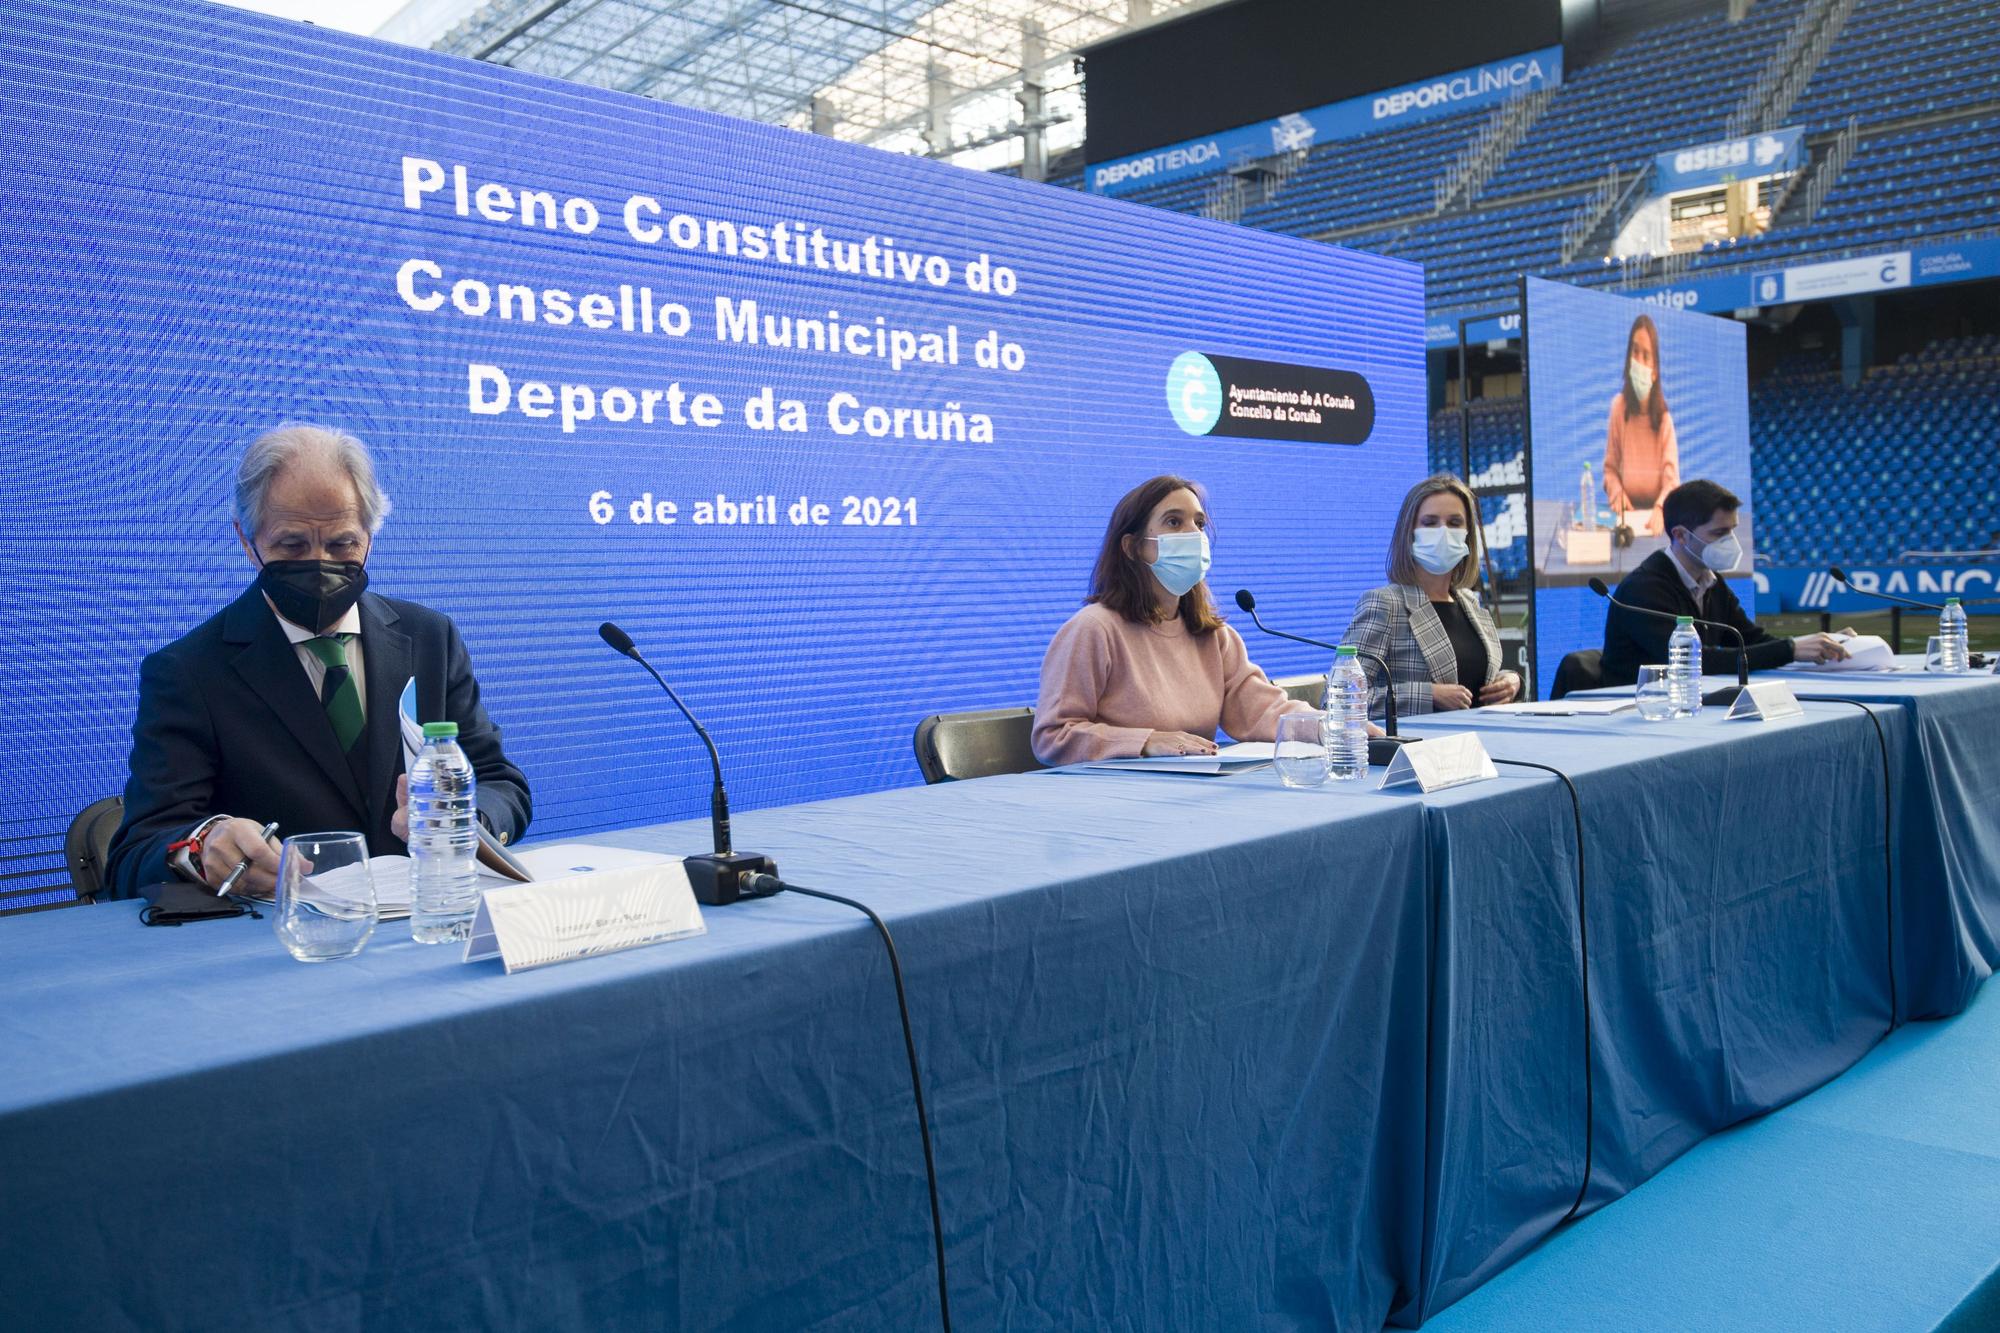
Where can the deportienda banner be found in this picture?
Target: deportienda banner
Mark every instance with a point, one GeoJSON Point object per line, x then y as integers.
{"type": "Point", "coordinates": [1711, 164]}
{"type": "Point", "coordinates": [1462, 90]}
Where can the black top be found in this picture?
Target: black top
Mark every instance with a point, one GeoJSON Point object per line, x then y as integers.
{"type": "Point", "coordinates": [1465, 644]}
{"type": "Point", "coordinates": [1632, 640]}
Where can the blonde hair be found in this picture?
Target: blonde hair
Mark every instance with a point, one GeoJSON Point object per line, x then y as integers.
{"type": "Point", "coordinates": [1403, 565]}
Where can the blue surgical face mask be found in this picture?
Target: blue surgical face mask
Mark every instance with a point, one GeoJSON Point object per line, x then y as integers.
{"type": "Point", "coordinates": [1183, 562]}
{"type": "Point", "coordinates": [1439, 550]}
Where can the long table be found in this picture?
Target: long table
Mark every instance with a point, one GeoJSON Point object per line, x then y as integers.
{"type": "Point", "coordinates": [1199, 1053]}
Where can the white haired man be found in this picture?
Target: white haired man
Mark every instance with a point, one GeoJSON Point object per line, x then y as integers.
{"type": "Point", "coordinates": [282, 707]}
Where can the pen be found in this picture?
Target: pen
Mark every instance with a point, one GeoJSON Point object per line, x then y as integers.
{"type": "Point", "coordinates": [263, 835]}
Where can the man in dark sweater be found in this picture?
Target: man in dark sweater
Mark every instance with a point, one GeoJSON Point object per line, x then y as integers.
{"type": "Point", "coordinates": [1686, 580]}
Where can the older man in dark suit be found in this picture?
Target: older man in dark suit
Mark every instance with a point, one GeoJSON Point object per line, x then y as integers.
{"type": "Point", "coordinates": [282, 707]}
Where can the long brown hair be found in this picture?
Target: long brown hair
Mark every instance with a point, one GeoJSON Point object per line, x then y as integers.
{"type": "Point", "coordinates": [1125, 584]}
{"type": "Point", "coordinates": [1403, 565]}
{"type": "Point", "coordinates": [1656, 402]}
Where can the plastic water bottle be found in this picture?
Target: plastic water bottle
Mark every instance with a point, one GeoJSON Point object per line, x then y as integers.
{"type": "Point", "coordinates": [1586, 503]}
{"type": "Point", "coordinates": [1347, 716]}
{"type": "Point", "coordinates": [1954, 653]}
{"type": "Point", "coordinates": [1684, 668]}
{"type": "Point", "coordinates": [444, 839]}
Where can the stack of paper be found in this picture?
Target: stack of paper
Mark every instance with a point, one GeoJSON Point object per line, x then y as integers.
{"type": "Point", "coordinates": [1242, 757]}
{"type": "Point", "coordinates": [1865, 652]}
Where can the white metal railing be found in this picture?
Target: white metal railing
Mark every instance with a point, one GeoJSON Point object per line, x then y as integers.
{"type": "Point", "coordinates": [1498, 136]}
{"type": "Point", "coordinates": [1785, 74]}
{"type": "Point", "coordinates": [1228, 196]}
{"type": "Point", "coordinates": [1793, 85]}
{"type": "Point", "coordinates": [1830, 166]}
{"type": "Point", "coordinates": [1225, 199]}
{"type": "Point", "coordinates": [1582, 223]}
{"type": "Point", "coordinates": [1765, 84]}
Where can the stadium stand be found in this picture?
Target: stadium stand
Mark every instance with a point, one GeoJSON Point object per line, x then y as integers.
{"type": "Point", "coordinates": [1916, 81]}
{"type": "Point", "coordinates": [1907, 459]}
{"type": "Point", "coordinates": [1917, 78]}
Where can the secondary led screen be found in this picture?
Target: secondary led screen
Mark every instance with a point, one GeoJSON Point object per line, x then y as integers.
{"type": "Point", "coordinates": [832, 433]}
{"type": "Point", "coordinates": [1605, 455]}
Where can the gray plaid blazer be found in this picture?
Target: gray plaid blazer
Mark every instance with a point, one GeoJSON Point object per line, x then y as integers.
{"type": "Point", "coordinates": [1397, 624]}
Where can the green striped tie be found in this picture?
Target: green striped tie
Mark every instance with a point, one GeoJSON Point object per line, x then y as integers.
{"type": "Point", "coordinates": [336, 691]}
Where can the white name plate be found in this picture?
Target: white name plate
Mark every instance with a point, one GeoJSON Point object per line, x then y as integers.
{"type": "Point", "coordinates": [1767, 701]}
{"type": "Point", "coordinates": [1438, 762]}
{"type": "Point", "coordinates": [556, 920]}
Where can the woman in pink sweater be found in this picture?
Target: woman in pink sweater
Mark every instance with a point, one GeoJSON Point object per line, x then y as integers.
{"type": "Point", "coordinates": [1147, 667]}
{"type": "Point", "coordinates": [1642, 459]}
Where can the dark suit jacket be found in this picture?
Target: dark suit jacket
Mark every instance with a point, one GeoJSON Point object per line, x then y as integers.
{"type": "Point", "coordinates": [1632, 641]}
{"type": "Point", "coordinates": [228, 724]}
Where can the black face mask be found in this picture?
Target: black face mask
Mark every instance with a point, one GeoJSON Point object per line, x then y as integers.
{"type": "Point", "coordinates": [313, 593]}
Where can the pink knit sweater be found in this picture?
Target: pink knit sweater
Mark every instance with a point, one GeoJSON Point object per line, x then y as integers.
{"type": "Point", "coordinates": [1108, 684]}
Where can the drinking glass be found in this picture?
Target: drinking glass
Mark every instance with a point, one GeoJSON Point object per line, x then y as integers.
{"type": "Point", "coordinates": [1300, 750]}
{"type": "Point", "coordinates": [326, 896]}
{"type": "Point", "coordinates": [1654, 694]}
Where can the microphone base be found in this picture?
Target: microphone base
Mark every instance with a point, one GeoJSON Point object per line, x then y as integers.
{"type": "Point", "coordinates": [718, 876]}
{"type": "Point", "coordinates": [1721, 698]}
{"type": "Point", "coordinates": [1382, 749]}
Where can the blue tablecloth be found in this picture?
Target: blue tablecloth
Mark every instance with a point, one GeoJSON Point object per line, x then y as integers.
{"type": "Point", "coordinates": [1200, 1053]}
{"type": "Point", "coordinates": [1946, 766]}
{"type": "Point", "coordinates": [1738, 955]}
{"type": "Point", "coordinates": [1172, 1032]}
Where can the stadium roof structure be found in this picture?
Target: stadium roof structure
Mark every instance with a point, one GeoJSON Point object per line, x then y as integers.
{"type": "Point", "coordinates": [986, 83]}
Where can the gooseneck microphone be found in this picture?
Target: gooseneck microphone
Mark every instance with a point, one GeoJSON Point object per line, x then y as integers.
{"type": "Point", "coordinates": [1840, 577]}
{"type": "Point", "coordinates": [721, 877]}
{"type": "Point", "coordinates": [1725, 696]}
{"type": "Point", "coordinates": [1381, 749]}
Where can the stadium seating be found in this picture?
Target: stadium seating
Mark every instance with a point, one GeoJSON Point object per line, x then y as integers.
{"type": "Point", "coordinates": [1498, 426]}
{"type": "Point", "coordinates": [1895, 61]}
{"type": "Point", "coordinates": [1909, 459]}
{"type": "Point", "coordinates": [1917, 78]}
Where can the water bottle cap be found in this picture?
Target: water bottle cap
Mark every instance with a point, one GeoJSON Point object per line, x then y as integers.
{"type": "Point", "coordinates": [1684, 620]}
{"type": "Point", "coordinates": [1951, 601]}
{"type": "Point", "coordinates": [434, 730]}
{"type": "Point", "coordinates": [1345, 650]}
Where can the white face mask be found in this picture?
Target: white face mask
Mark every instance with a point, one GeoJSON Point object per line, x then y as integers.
{"type": "Point", "coordinates": [1184, 560]}
{"type": "Point", "coordinates": [1439, 550]}
{"type": "Point", "coordinates": [1721, 556]}
{"type": "Point", "coordinates": [1642, 378]}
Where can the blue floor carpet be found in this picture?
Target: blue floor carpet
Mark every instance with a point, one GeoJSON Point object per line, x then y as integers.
{"type": "Point", "coordinates": [1873, 1204]}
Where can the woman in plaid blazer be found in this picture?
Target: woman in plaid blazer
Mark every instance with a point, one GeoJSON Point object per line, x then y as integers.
{"type": "Point", "coordinates": [1441, 645]}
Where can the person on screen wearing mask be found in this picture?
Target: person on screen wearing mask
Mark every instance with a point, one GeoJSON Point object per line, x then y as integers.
{"type": "Point", "coordinates": [1442, 647]}
{"type": "Point", "coordinates": [1147, 667]}
{"type": "Point", "coordinates": [1642, 459]}
{"type": "Point", "coordinates": [1686, 580]}
{"type": "Point", "coordinates": [282, 707]}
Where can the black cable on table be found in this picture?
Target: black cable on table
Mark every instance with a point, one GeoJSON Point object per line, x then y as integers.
{"type": "Point", "coordinates": [1888, 841]}
{"type": "Point", "coordinates": [1583, 961]}
{"type": "Point", "coordinates": [757, 883]}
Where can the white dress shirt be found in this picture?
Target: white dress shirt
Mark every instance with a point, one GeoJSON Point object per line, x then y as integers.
{"type": "Point", "coordinates": [1697, 583]}
{"type": "Point", "coordinates": [299, 636]}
